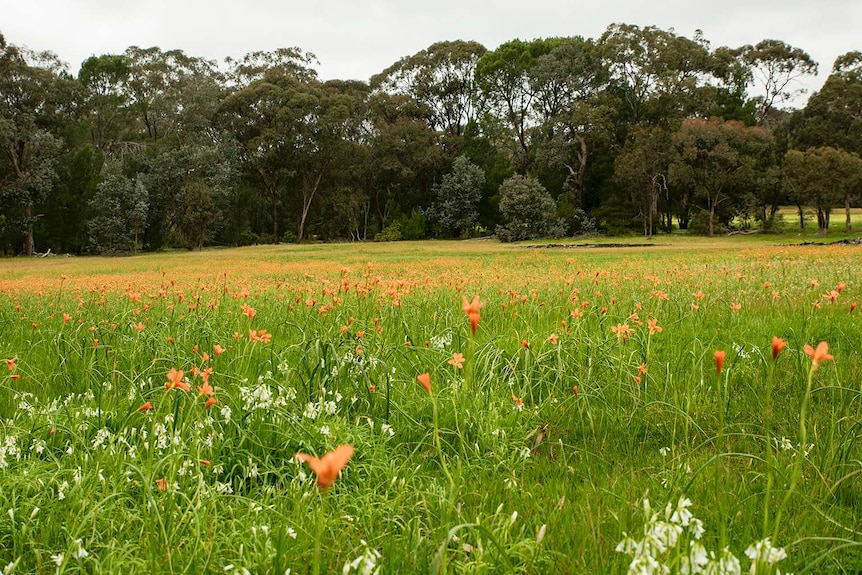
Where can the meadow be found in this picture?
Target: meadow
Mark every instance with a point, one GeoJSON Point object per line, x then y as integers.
{"type": "Point", "coordinates": [459, 407]}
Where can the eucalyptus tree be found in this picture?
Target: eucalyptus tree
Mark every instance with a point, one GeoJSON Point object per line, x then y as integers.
{"type": "Point", "coordinates": [37, 102]}
{"type": "Point", "coordinates": [833, 116]}
{"type": "Point", "coordinates": [660, 76]}
{"type": "Point", "coordinates": [505, 79]}
{"type": "Point", "coordinates": [775, 71]}
{"type": "Point", "coordinates": [441, 79]}
{"type": "Point", "coordinates": [569, 84]}
{"type": "Point", "coordinates": [105, 101]}
{"type": "Point", "coordinates": [717, 160]}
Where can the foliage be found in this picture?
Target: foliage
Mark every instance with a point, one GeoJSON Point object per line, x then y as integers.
{"type": "Point", "coordinates": [120, 206]}
{"type": "Point", "coordinates": [457, 197]}
{"type": "Point", "coordinates": [528, 210]}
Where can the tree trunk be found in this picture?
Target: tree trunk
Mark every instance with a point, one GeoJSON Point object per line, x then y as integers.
{"type": "Point", "coordinates": [711, 217]}
{"type": "Point", "coordinates": [29, 243]}
{"type": "Point", "coordinates": [273, 195]}
{"type": "Point", "coordinates": [847, 225]}
{"type": "Point", "coordinates": [307, 197]}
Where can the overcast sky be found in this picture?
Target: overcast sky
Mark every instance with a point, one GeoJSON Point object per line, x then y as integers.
{"type": "Point", "coordinates": [354, 39]}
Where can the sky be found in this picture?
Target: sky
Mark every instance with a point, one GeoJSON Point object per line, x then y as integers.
{"type": "Point", "coordinates": [356, 39]}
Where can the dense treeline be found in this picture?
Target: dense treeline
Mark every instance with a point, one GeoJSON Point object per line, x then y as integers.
{"type": "Point", "coordinates": [641, 130]}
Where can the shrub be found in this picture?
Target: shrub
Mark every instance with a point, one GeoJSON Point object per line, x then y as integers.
{"type": "Point", "coordinates": [528, 211]}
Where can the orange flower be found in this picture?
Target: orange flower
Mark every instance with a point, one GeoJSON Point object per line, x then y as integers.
{"type": "Point", "coordinates": [654, 327]}
{"type": "Point", "coordinates": [210, 402]}
{"type": "Point", "coordinates": [248, 311]}
{"type": "Point", "coordinates": [457, 360]}
{"type": "Point", "coordinates": [139, 326]}
{"type": "Point", "coordinates": [519, 403]}
{"type": "Point", "coordinates": [11, 363]}
{"type": "Point", "coordinates": [553, 338]}
{"type": "Point", "coordinates": [146, 407]}
{"type": "Point", "coordinates": [719, 359]}
{"type": "Point", "coordinates": [175, 379]}
{"type": "Point", "coordinates": [622, 330]}
{"type": "Point", "coordinates": [472, 311]}
{"type": "Point", "coordinates": [66, 318]}
{"type": "Point", "coordinates": [818, 355]}
{"type": "Point", "coordinates": [218, 350]}
{"type": "Point", "coordinates": [425, 380]}
{"type": "Point", "coordinates": [259, 335]}
{"type": "Point", "coordinates": [161, 484]}
{"type": "Point", "coordinates": [330, 465]}
{"type": "Point", "coordinates": [778, 345]}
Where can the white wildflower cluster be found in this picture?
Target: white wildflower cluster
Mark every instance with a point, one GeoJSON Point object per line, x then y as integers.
{"type": "Point", "coordinates": [315, 409]}
{"type": "Point", "coordinates": [785, 444]}
{"type": "Point", "coordinates": [673, 538]}
{"type": "Point", "coordinates": [262, 397]}
{"type": "Point", "coordinates": [365, 564]}
{"type": "Point", "coordinates": [441, 341]}
{"type": "Point", "coordinates": [9, 448]}
{"type": "Point", "coordinates": [764, 556]}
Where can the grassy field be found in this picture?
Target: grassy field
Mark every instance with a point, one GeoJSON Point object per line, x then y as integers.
{"type": "Point", "coordinates": [628, 410]}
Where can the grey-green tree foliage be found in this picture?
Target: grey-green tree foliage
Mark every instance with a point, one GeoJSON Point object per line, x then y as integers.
{"type": "Point", "coordinates": [528, 210]}
{"type": "Point", "coordinates": [457, 197]}
{"type": "Point", "coordinates": [121, 207]}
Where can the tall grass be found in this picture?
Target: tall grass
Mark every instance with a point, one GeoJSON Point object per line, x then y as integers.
{"type": "Point", "coordinates": [533, 455]}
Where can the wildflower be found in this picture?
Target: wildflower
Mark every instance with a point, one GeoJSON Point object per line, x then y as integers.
{"type": "Point", "coordinates": [575, 390]}
{"type": "Point", "coordinates": [853, 306]}
{"type": "Point", "coordinates": [218, 350]}
{"type": "Point", "coordinates": [161, 484]}
{"type": "Point", "coordinates": [210, 402]}
{"type": "Point", "coordinates": [175, 379]}
{"type": "Point", "coordinates": [818, 355]}
{"type": "Point", "coordinates": [719, 356]}
{"type": "Point", "coordinates": [67, 318]}
{"type": "Point", "coordinates": [654, 327]}
{"type": "Point", "coordinates": [11, 363]}
{"type": "Point", "coordinates": [248, 311]}
{"type": "Point", "coordinates": [259, 335]}
{"type": "Point", "coordinates": [519, 403]}
{"type": "Point", "coordinates": [472, 311]}
{"type": "Point", "coordinates": [457, 360]}
{"type": "Point", "coordinates": [328, 467]}
{"type": "Point", "coordinates": [525, 344]}
{"type": "Point", "coordinates": [734, 307]}
{"type": "Point", "coordinates": [139, 326]}
{"type": "Point", "coordinates": [146, 407]}
{"type": "Point", "coordinates": [778, 345]}
{"type": "Point", "coordinates": [425, 380]}
{"type": "Point", "coordinates": [622, 330]}
{"type": "Point", "coordinates": [553, 338]}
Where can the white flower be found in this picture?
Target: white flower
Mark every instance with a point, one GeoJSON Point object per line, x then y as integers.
{"type": "Point", "coordinates": [57, 559]}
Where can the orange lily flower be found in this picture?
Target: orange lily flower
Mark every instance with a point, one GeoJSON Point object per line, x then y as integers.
{"type": "Point", "coordinates": [425, 380]}
{"type": "Point", "coordinates": [472, 311]}
{"type": "Point", "coordinates": [719, 360]}
{"type": "Point", "coordinates": [175, 379]}
{"type": "Point", "coordinates": [210, 402]}
{"type": "Point", "coordinates": [818, 355]}
{"type": "Point", "coordinates": [11, 363]}
{"type": "Point", "coordinates": [778, 345]}
{"type": "Point", "coordinates": [330, 465]}
{"type": "Point", "coordinates": [457, 360]}
{"type": "Point", "coordinates": [146, 407]}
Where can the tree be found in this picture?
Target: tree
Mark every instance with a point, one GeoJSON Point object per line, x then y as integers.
{"type": "Point", "coordinates": [658, 73]}
{"type": "Point", "coordinates": [833, 116]}
{"type": "Point", "coordinates": [103, 78]}
{"type": "Point", "coordinates": [823, 178]}
{"type": "Point", "coordinates": [642, 170]}
{"type": "Point", "coordinates": [120, 207]}
{"type": "Point", "coordinates": [528, 210]}
{"type": "Point", "coordinates": [458, 195]}
{"type": "Point", "coordinates": [568, 83]}
{"type": "Point", "coordinates": [36, 102]}
{"type": "Point", "coordinates": [503, 77]}
{"type": "Point", "coordinates": [775, 69]}
{"type": "Point", "coordinates": [441, 80]}
{"type": "Point", "coordinates": [716, 158]}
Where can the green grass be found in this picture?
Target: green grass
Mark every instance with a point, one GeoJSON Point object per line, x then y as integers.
{"type": "Point", "coordinates": [351, 328]}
